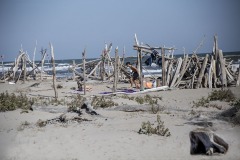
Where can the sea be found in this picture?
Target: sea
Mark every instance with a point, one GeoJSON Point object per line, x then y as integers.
{"type": "Point", "coordinates": [63, 66]}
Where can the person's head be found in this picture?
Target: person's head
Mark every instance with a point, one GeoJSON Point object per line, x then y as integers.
{"type": "Point", "coordinates": [128, 64]}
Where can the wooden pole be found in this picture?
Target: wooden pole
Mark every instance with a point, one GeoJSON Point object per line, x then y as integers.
{"type": "Point", "coordinates": [140, 71]}
{"type": "Point", "coordinates": [54, 72]}
{"type": "Point", "coordinates": [84, 70]}
{"type": "Point", "coordinates": [115, 71]}
{"type": "Point", "coordinates": [34, 53]}
{"type": "Point", "coordinates": [42, 62]}
{"type": "Point", "coordinates": [3, 72]}
{"type": "Point", "coordinates": [163, 67]}
{"type": "Point", "coordinates": [74, 66]}
{"type": "Point", "coordinates": [24, 68]}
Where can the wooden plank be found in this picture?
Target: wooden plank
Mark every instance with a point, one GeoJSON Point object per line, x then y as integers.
{"type": "Point", "coordinates": [223, 70]}
{"type": "Point", "coordinates": [201, 74]}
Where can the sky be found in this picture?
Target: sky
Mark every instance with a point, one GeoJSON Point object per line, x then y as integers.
{"type": "Point", "coordinates": [72, 25]}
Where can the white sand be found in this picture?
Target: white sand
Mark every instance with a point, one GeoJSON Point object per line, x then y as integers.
{"type": "Point", "coordinates": [113, 134]}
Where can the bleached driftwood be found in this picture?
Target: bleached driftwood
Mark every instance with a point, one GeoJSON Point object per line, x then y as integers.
{"type": "Point", "coordinates": [205, 141]}
{"type": "Point", "coordinates": [54, 72]}
{"type": "Point", "coordinates": [199, 81]}
{"type": "Point", "coordinates": [223, 70]}
{"type": "Point", "coordinates": [176, 74]}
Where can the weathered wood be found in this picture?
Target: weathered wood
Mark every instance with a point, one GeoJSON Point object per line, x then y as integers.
{"type": "Point", "coordinates": [223, 70]}
{"type": "Point", "coordinates": [210, 73]}
{"type": "Point", "coordinates": [205, 84]}
{"type": "Point", "coordinates": [33, 62]}
{"type": "Point", "coordinates": [200, 76]}
{"type": "Point", "coordinates": [24, 69]}
{"type": "Point", "coordinates": [205, 141]}
{"type": "Point", "coordinates": [96, 67]}
{"type": "Point", "coordinates": [115, 71]}
{"type": "Point", "coordinates": [176, 74]}
{"type": "Point", "coordinates": [184, 67]}
{"type": "Point", "coordinates": [230, 78]}
{"type": "Point", "coordinates": [169, 71]}
{"type": "Point", "coordinates": [84, 72]}
{"type": "Point", "coordinates": [73, 68]}
{"type": "Point", "coordinates": [163, 67]}
{"type": "Point", "coordinates": [54, 72]}
{"type": "Point", "coordinates": [43, 52]}
{"type": "Point", "coordinates": [238, 77]}
{"type": "Point", "coordinates": [193, 77]}
{"type": "Point", "coordinates": [140, 71]}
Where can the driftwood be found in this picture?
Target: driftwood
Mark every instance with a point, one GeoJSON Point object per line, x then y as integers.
{"type": "Point", "coordinates": [54, 72]}
{"type": "Point", "coordinates": [205, 141]}
{"type": "Point", "coordinates": [176, 74]}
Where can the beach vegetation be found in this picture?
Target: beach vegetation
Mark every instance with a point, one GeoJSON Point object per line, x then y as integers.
{"type": "Point", "coordinates": [10, 102]}
{"type": "Point", "coordinates": [102, 102]}
{"type": "Point", "coordinates": [77, 102]}
{"type": "Point", "coordinates": [158, 128]}
{"type": "Point", "coordinates": [222, 95]}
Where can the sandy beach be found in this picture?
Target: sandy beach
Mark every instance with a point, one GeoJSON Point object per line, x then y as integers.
{"type": "Point", "coordinates": [113, 134]}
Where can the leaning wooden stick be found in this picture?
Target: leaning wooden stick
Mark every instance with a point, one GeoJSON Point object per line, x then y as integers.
{"type": "Point", "coordinates": [84, 76]}
{"type": "Point", "coordinates": [54, 72]}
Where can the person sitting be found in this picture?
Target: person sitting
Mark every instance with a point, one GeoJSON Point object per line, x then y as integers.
{"type": "Point", "coordinates": [135, 75]}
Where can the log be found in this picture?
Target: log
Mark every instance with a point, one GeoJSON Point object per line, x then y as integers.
{"type": "Point", "coordinates": [205, 84]}
{"type": "Point", "coordinates": [210, 73]}
{"type": "Point", "coordinates": [176, 74]}
{"type": "Point", "coordinates": [193, 77]}
{"type": "Point", "coordinates": [169, 71]}
{"type": "Point", "coordinates": [199, 81]}
{"type": "Point", "coordinates": [205, 141]}
{"type": "Point", "coordinates": [223, 70]}
{"type": "Point", "coordinates": [229, 76]}
{"type": "Point", "coordinates": [54, 72]}
{"type": "Point", "coordinates": [184, 67]}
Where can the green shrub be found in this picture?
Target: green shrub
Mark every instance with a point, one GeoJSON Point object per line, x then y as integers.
{"type": "Point", "coordinates": [102, 102]}
{"type": "Point", "coordinates": [10, 102]}
{"type": "Point", "coordinates": [77, 101]}
{"type": "Point", "coordinates": [149, 129]}
{"type": "Point", "coordinates": [222, 95]}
